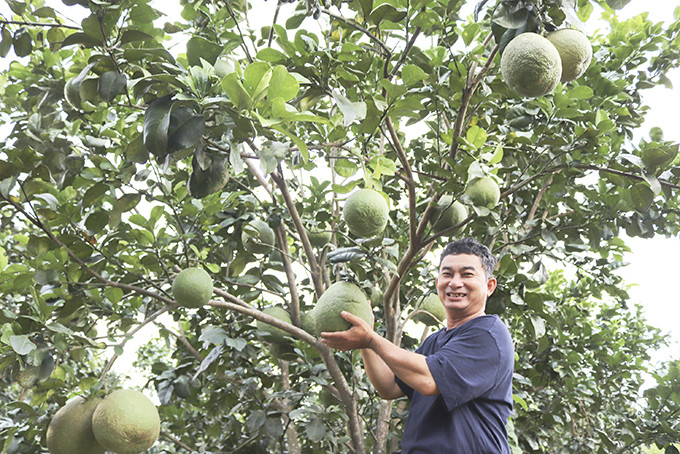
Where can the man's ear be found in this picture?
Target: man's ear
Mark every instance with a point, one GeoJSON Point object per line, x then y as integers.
{"type": "Point", "coordinates": [491, 284]}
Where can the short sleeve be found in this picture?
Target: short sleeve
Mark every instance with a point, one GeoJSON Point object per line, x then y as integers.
{"type": "Point", "coordinates": [466, 367]}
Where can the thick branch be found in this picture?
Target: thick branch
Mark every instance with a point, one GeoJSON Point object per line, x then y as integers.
{"type": "Point", "coordinates": [315, 270]}
{"type": "Point", "coordinates": [473, 82]}
{"type": "Point", "coordinates": [294, 304]}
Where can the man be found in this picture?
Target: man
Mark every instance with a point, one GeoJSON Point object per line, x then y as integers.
{"type": "Point", "coordinates": [459, 381]}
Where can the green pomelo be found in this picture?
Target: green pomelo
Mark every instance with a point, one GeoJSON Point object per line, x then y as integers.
{"type": "Point", "coordinates": [483, 192]}
{"type": "Point", "coordinates": [308, 321]}
{"type": "Point", "coordinates": [272, 333]}
{"type": "Point", "coordinates": [377, 296]}
{"type": "Point", "coordinates": [192, 287]}
{"type": "Point", "coordinates": [341, 296]}
{"type": "Point", "coordinates": [284, 352]}
{"type": "Point", "coordinates": [70, 430]}
{"type": "Point", "coordinates": [319, 238]}
{"type": "Point", "coordinates": [257, 237]}
{"type": "Point", "coordinates": [656, 134]}
{"type": "Point", "coordinates": [434, 311]}
{"type": "Point", "coordinates": [448, 213]}
{"type": "Point", "coordinates": [366, 213]}
{"type": "Point", "coordinates": [126, 422]}
{"type": "Point", "coordinates": [575, 52]}
{"type": "Point", "coordinates": [531, 65]}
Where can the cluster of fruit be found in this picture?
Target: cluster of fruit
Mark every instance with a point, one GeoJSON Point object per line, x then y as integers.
{"type": "Point", "coordinates": [123, 422]}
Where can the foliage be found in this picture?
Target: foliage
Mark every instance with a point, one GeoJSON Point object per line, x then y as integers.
{"type": "Point", "coordinates": [136, 148]}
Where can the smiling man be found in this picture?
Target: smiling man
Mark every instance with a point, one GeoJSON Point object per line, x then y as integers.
{"type": "Point", "coordinates": [459, 381]}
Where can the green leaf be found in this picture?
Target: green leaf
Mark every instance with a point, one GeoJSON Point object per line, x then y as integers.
{"type": "Point", "coordinates": [6, 43]}
{"type": "Point", "coordinates": [412, 74]}
{"type": "Point", "coordinates": [270, 55]}
{"type": "Point", "coordinates": [156, 124]}
{"type": "Point", "coordinates": [351, 111]}
{"type": "Point", "coordinates": [256, 78]}
{"type": "Point", "coordinates": [200, 48]}
{"type": "Point", "coordinates": [617, 4]}
{"type": "Point", "coordinates": [476, 136]}
{"type": "Point", "coordinates": [511, 15]}
{"type": "Point", "coordinates": [23, 44]}
{"type": "Point", "coordinates": [580, 92]}
{"type": "Point", "coordinates": [316, 429]}
{"type": "Point", "coordinates": [123, 204]}
{"type": "Point", "coordinates": [4, 260]}
{"type": "Point", "coordinates": [131, 36]}
{"type": "Point", "coordinates": [282, 84]}
{"type": "Point", "coordinates": [185, 129]}
{"type": "Point", "coordinates": [21, 344]}
{"type": "Point", "coordinates": [111, 84]}
{"type": "Point", "coordinates": [346, 254]}
{"type": "Point", "coordinates": [237, 94]}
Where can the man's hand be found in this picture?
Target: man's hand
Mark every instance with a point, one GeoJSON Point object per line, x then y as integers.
{"type": "Point", "coordinates": [359, 335]}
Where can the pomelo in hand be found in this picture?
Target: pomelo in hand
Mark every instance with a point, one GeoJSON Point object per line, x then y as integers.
{"type": "Point", "coordinates": [70, 430]}
{"type": "Point", "coordinates": [531, 65]}
{"type": "Point", "coordinates": [126, 422]}
{"type": "Point", "coordinates": [341, 296]}
{"type": "Point", "coordinates": [366, 213]}
{"type": "Point", "coordinates": [192, 287]}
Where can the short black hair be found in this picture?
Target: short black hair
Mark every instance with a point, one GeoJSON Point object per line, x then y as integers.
{"type": "Point", "coordinates": [473, 247]}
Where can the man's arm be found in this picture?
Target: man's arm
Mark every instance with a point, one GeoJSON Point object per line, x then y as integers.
{"type": "Point", "coordinates": [383, 360]}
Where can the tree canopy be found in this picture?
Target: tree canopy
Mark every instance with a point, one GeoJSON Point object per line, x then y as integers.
{"type": "Point", "coordinates": [138, 145]}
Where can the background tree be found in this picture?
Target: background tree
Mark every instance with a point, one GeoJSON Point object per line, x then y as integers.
{"type": "Point", "coordinates": [138, 147]}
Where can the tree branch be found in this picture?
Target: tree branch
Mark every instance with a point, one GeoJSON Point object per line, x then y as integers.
{"type": "Point", "coordinates": [385, 50]}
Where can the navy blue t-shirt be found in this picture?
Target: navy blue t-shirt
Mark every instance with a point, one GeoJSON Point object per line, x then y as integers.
{"type": "Point", "coordinates": [472, 365]}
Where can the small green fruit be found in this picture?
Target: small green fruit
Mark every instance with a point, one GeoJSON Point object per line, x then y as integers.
{"type": "Point", "coordinates": [272, 333]}
{"type": "Point", "coordinates": [192, 287]}
{"type": "Point", "coordinates": [366, 213]}
{"type": "Point", "coordinates": [483, 192]}
{"type": "Point", "coordinates": [257, 237]}
{"type": "Point", "coordinates": [319, 238]}
{"type": "Point", "coordinates": [448, 213]}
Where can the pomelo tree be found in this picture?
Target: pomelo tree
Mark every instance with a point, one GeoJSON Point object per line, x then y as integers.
{"type": "Point", "coordinates": [137, 145]}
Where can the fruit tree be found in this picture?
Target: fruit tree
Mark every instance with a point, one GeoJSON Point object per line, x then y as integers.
{"type": "Point", "coordinates": [228, 137]}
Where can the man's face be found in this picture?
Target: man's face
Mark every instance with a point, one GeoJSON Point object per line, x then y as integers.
{"type": "Point", "coordinates": [462, 286]}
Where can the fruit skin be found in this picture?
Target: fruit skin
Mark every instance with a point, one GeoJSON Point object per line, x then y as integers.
{"type": "Point", "coordinates": [126, 422]}
{"type": "Point", "coordinates": [432, 304]}
{"type": "Point", "coordinates": [308, 321]}
{"type": "Point", "coordinates": [70, 430]}
{"type": "Point", "coordinates": [272, 333]}
{"type": "Point", "coordinates": [575, 52]}
{"type": "Point", "coordinates": [448, 213]}
{"type": "Point", "coordinates": [319, 238]}
{"type": "Point", "coordinates": [531, 65]}
{"type": "Point", "coordinates": [366, 213]}
{"type": "Point", "coordinates": [257, 237]}
{"type": "Point", "coordinates": [483, 192]}
{"type": "Point", "coordinates": [284, 352]}
{"type": "Point", "coordinates": [192, 287]}
{"type": "Point", "coordinates": [341, 296]}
